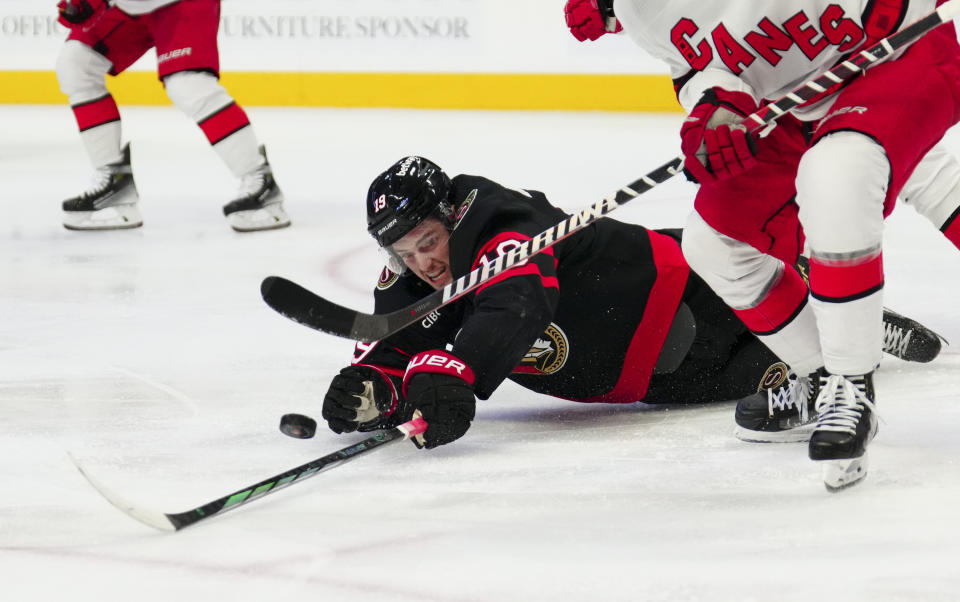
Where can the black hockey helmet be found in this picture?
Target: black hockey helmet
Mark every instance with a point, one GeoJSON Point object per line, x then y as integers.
{"type": "Point", "coordinates": [412, 190]}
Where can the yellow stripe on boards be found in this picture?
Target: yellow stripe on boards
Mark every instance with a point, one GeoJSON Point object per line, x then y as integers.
{"type": "Point", "coordinates": [496, 91]}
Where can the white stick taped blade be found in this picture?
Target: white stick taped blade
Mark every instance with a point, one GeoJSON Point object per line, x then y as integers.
{"type": "Point", "coordinates": [157, 520]}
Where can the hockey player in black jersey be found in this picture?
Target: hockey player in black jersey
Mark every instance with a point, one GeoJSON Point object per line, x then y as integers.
{"type": "Point", "coordinates": [611, 314]}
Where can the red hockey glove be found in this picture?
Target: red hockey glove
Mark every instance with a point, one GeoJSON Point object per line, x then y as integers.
{"type": "Point", "coordinates": [360, 398]}
{"type": "Point", "coordinates": [74, 13]}
{"type": "Point", "coordinates": [587, 19]}
{"type": "Point", "coordinates": [440, 386]}
{"type": "Point", "coordinates": [716, 146]}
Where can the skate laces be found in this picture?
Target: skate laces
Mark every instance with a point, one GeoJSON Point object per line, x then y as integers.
{"type": "Point", "coordinates": [840, 404]}
{"type": "Point", "coordinates": [793, 392]}
{"type": "Point", "coordinates": [895, 339]}
{"type": "Point", "coordinates": [100, 180]}
{"type": "Point", "coordinates": [253, 183]}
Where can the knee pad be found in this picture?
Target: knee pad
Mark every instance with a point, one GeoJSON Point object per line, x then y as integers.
{"type": "Point", "coordinates": [841, 187]}
{"type": "Point", "coordinates": [738, 273]}
{"type": "Point", "coordinates": [198, 94]}
{"type": "Point", "coordinates": [81, 72]}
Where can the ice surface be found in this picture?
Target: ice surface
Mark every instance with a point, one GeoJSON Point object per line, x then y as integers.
{"type": "Point", "coordinates": [149, 355]}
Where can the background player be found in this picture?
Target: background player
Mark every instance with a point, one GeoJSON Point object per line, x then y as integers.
{"type": "Point", "coordinates": [836, 166]}
{"type": "Point", "coordinates": [611, 314]}
{"type": "Point", "coordinates": [107, 39]}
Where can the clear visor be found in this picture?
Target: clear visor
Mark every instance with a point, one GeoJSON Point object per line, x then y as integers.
{"type": "Point", "coordinates": [392, 260]}
{"type": "Point", "coordinates": [418, 248]}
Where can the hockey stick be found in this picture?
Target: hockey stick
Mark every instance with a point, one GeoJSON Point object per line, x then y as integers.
{"type": "Point", "coordinates": [179, 520]}
{"type": "Point", "coordinates": [309, 309]}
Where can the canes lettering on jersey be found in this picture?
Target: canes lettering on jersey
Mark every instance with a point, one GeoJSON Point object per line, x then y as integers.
{"type": "Point", "coordinates": [765, 51]}
{"type": "Point", "coordinates": [767, 40]}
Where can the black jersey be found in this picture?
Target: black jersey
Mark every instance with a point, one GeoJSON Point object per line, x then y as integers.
{"type": "Point", "coordinates": [585, 319]}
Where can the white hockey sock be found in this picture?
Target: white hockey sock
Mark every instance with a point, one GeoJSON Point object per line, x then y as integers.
{"type": "Point", "coordinates": [934, 187]}
{"type": "Point", "coordinates": [201, 97]}
{"type": "Point", "coordinates": [81, 73]}
{"type": "Point", "coordinates": [798, 343]}
{"type": "Point", "coordinates": [746, 279]}
{"type": "Point", "coordinates": [103, 144]}
{"type": "Point", "coordinates": [859, 321]}
{"type": "Point", "coordinates": [240, 152]}
{"type": "Point", "coordinates": [841, 187]}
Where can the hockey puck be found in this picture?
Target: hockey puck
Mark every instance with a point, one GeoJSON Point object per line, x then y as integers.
{"type": "Point", "coordinates": [298, 426]}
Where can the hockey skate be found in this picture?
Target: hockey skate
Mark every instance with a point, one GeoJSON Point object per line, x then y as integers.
{"type": "Point", "coordinates": [259, 203]}
{"type": "Point", "coordinates": [908, 339]}
{"type": "Point", "coordinates": [782, 414]}
{"type": "Point", "coordinates": [846, 424]}
{"type": "Point", "coordinates": [109, 204]}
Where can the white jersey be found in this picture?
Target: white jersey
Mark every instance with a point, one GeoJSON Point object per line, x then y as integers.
{"type": "Point", "coordinates": [141, 7]}
{"type": "Point", "coordinates": [765, 48]}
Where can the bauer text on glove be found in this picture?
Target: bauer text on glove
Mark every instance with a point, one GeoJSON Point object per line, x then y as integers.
{"type": "Point", "coordinates": [440, 386]}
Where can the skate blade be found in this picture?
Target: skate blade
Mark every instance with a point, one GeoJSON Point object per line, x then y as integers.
{"type": "Point", "coordinates": [270, 217]}
{"type": "Point", "coordinates": [795, 435]}
{"type": "Point", "coordinates": [117, 217]}
{"type": "Point", "coordinates": [841, 474]}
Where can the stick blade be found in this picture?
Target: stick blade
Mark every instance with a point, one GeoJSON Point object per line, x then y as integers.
{"type": "Point", "coordinates": [151, 518]}
{"type": "Point", "coordinates": [291, 300]}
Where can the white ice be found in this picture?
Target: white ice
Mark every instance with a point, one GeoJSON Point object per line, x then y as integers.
{"type": "Point", "coordinates": [149, 355]}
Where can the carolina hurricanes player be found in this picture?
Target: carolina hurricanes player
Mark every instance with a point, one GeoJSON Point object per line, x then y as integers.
{"type": "Point", "coordinates": [106, 38]}
{"type": "Point", "coordinates": [835, 166]}
{"type": "Point", "coordinates": [611, 314]}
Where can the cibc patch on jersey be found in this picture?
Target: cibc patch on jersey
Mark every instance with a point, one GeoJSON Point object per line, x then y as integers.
{"type": "Point", "coordinates": [548, 354]}
{"type": "Point", "coordinates": [387, 279]}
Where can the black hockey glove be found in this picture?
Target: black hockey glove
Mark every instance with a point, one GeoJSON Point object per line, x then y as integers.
{"type": "Point", "coordinates": [440, 386]}
{"type": "Point", "coordinates": [360, 398]}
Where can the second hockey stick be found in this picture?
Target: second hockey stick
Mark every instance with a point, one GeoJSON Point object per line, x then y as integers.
{"type": "Point", "coordinates": [179, 520]}
{"type": "Point", "coordinates": [312, 310]}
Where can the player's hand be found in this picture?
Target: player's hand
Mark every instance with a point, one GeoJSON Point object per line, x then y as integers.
{"type": "Point", "coordinates": [714, 143]}
{"type": "Point", "coordinates": [74, 13]}
{"type": "Point", "coordinates": [360, 398]}
{"type": "Point", "coordinates": [587, 21]}
{"type": "Point", "coordinates": [440, 386]}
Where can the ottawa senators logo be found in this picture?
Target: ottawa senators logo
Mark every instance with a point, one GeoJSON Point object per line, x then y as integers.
{"type": "Point", "coordinates": [548, 354]}
{"type": "Point", "coordinates": [386, 280]}
{"type": "Point", "coordinates": [775, 375]}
